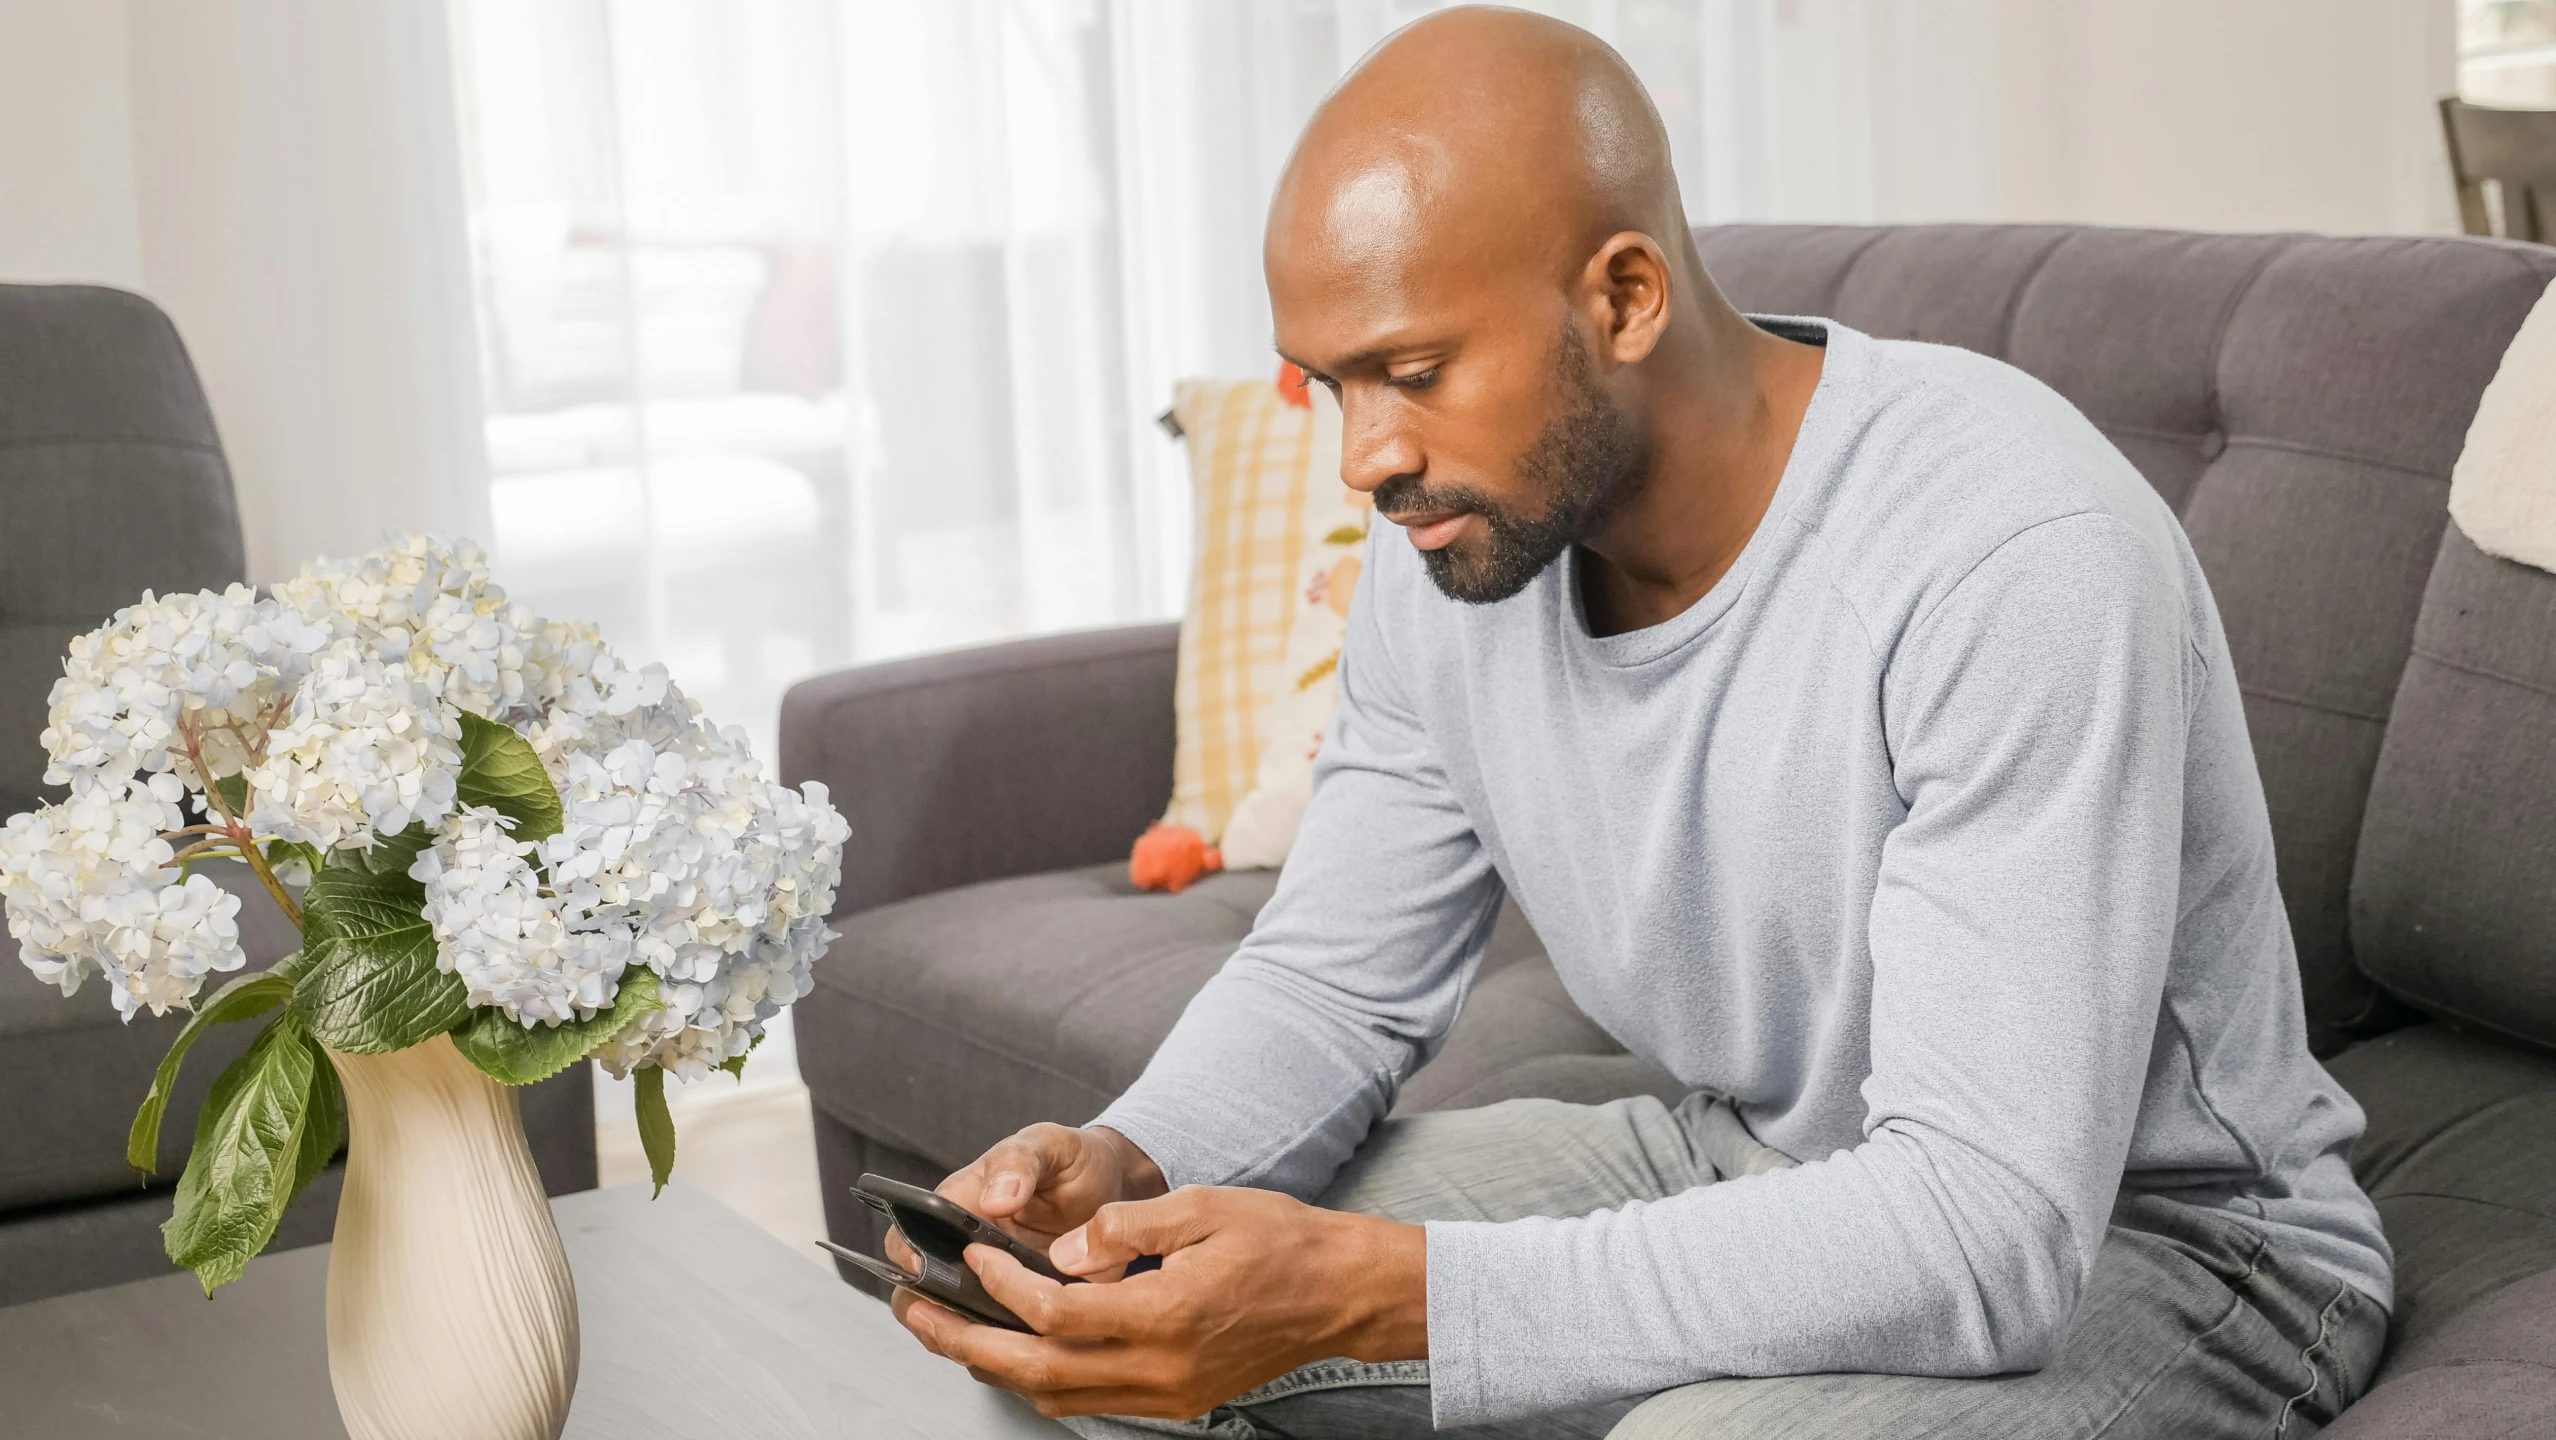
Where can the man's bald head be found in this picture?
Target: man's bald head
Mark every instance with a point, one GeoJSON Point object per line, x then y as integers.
{"type": "Point", "coordinates": [1479, 245]}
{"type": "Point", "coordinates": [1496, 131]}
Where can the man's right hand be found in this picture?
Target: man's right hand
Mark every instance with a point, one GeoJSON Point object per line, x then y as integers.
{"type": "Point", "coordinates": [1046, 1180]}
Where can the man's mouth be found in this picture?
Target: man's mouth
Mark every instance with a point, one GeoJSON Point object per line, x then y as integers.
{"type": "Point", "coordinates": [1431, 529]}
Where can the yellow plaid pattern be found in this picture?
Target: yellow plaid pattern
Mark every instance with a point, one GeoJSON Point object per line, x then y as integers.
{"type": "Point", "coordinates": [1252, 459]}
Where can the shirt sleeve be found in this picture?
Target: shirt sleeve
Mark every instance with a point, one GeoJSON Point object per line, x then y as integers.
{"type": "Point", "coordinates": [2020, 934]}
{"type": "Point", "coordinates": [1353, 972]}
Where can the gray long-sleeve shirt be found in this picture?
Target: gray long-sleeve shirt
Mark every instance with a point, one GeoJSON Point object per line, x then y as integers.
{"type": "Point", "coordinates": [1930, 835]}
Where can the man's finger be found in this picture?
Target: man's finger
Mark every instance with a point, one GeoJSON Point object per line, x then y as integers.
{"type": "Point", "coordinates": [1085, 1311]}
{"type": "Point", "coordinates": [1009, 1174]}
{"type": "Point", "coordinates": [921, 1317]}
{"type": "Point", "coordinates": [1123, 1231]}
{"type": "Point", "coordinates": [1034, 1365]}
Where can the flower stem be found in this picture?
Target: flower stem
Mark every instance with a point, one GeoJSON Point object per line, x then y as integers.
{"type": "Point", "coordinates": [274, 886]}
{"type": "Point", "coordinates": [220, 846]}
{"type": "Point", "coordinates": [235, 828]}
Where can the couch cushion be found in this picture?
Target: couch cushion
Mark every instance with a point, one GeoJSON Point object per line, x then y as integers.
{"type": "Point", "coordinates": [2491, 1374]}
{"type": "Point", "coordinates": [2306, 444]}
{"type": "Point", "coordinates": [2460, 1155]}
{"type": "Point", "coordinates": [943, 1023]}
{"type": "Point", "coordinates": [2453, 906]}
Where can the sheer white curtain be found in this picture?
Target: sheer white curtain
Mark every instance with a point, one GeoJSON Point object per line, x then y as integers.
{"type": "Point", "coordinates": [824, 330]}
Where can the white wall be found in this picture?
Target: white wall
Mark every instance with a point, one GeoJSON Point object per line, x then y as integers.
{"type": "Point", "coordinates": [2192, 114]}
{"type": "Point", "coordinates": [281, 176]}
{"type": "Point", "coordinates": [67, 209]}
{"type": "Point", "coordinates": [301, 219]}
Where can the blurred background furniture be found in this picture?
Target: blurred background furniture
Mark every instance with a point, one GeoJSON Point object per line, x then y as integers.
{"type": "Point", "coordinates": [996, 968]}
{"type": "Point", "coordinates": [112, 480]}
{"type": "Point", "coordinates": [2504, 164]}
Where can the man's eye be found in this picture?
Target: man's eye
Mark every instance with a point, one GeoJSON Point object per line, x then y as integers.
{"type": "Point", "coordinates": [1416, 380]}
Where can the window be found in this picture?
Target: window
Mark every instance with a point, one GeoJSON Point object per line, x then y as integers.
{"type": "Point", "coordinates": [2507, 53]}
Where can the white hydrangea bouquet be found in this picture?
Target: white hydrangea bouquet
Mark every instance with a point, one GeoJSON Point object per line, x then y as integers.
{"type": "Point", "coordinates": [484, 824]}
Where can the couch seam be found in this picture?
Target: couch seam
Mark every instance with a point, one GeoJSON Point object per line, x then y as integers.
{"type": "Point", "coordinates": [2321, 452]}
{"type": "Point", "coordinates": [2439, 1011]}
{"type": "Point", "coordinates": [2478, 1360]}
{"type": "Point", "coordinates": [2014, 302]}
{"type": "Point", "coordinates": [2149, 432]}
{"type": "Point", "coordinates": [2481, 672]}
{"type": "Point", "coordinates": [1846, 272]}
{"type": "Point", "coordinates": [2465, 1200]}
{"type": "Point", "coordinates": [2263, 693]}
{"type": "Point", "coordinates": [2226, 321]}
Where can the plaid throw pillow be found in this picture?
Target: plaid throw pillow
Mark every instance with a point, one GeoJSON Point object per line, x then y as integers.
{"type": "Point", "coordinates": [1263, 460]}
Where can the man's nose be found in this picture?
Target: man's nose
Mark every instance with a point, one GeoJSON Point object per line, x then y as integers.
{"type": "Point", "coordinates": [1374, 450]}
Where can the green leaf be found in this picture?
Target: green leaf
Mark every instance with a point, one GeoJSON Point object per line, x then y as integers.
{"type": "Point", "coordinates": [1346, 535]}
{"type": "Point", "coordinates": [279, 851]}
{"type": "Point", "coordinates": [518, 1054]}
{"type": "Point", "coordinates": [245, 998]}
{"type": "Point", "coordinates": [388, 856]}
{"type": "Point", "coordinates": [368, 983]}
{"type": "Point", "coordinates": [656, 1125]}
{"type": "Point", "coordinates": [500, 770]}
{"type": "Point", "coordinates": [234, 792]}
{"type": "Point", "coordinates": [248, 1148]}
{"type": "Point", "coordinates": [325, 1130]}
{"type": "Point", "coordinates": [735, 1064]}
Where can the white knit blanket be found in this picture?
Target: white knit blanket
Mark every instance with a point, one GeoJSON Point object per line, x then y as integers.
{"type": "Point", "coordinates": [2503, 490]}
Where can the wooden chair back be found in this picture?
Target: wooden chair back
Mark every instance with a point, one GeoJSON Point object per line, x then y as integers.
{"type": "Point", "coordinates": [2516, 149]}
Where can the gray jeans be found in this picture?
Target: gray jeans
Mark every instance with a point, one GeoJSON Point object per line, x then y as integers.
{"type": "Point", "coordinates": [2191, 1326]}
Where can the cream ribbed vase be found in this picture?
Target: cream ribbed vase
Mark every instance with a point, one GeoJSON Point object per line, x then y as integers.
{"type": "Point", "coordinates": [451, 1314]}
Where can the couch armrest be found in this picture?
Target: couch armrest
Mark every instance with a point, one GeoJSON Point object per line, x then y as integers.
{"type": "Point", "coordinates": [976, 764]}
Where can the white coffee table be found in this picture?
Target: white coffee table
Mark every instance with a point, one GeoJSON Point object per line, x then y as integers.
{"type": "Point", "coordinates": [695, 1323]}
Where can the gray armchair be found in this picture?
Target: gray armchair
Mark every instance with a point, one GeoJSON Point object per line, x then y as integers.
{"type": "Point", "coordinates": [112, 480]}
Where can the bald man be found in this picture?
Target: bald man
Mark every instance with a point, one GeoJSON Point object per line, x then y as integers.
{"type": "Point", "coordinates": [1854, 726]}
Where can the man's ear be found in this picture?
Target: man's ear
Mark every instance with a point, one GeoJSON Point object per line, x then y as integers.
{"type": "Point", "coordinates": [1627, 284]}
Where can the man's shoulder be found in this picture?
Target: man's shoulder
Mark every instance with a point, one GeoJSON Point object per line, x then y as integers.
{"type": "Point", "coordinates": [1949, 456]}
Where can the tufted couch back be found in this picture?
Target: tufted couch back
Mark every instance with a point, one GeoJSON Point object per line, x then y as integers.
{"type": "Point", "coordinates": [111, 480]}
{"type": "Point", "coordinates": [2299, 401]}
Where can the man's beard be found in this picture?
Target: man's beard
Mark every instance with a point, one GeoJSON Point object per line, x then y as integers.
{"type": "Point", "coordinates": [1585, 460]}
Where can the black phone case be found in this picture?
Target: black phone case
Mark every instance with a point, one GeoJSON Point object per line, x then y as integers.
{"type": "Point", "coordinates": [962, 1292]}
{"type": "Point", "coordinates": [946, 1227]}
{"type": "Point", "coordinates": [939, 1231]}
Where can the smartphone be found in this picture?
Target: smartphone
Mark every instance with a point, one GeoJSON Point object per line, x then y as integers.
{"type": "Point", "coordinates": [939, 1230]}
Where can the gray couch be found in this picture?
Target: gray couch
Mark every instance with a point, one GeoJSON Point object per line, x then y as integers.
{"type": "Point", "coordinates": [111, 480]}
{"type": "Point", "coordinates": [2298, 400]}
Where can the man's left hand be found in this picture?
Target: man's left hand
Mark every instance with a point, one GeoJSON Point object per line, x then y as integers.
{"type": "Point", "coordinates": [1252, 1285]}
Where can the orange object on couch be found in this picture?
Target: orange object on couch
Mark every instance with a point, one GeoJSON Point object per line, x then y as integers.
{"type": "Point", "coordinates": [1170, 857]}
